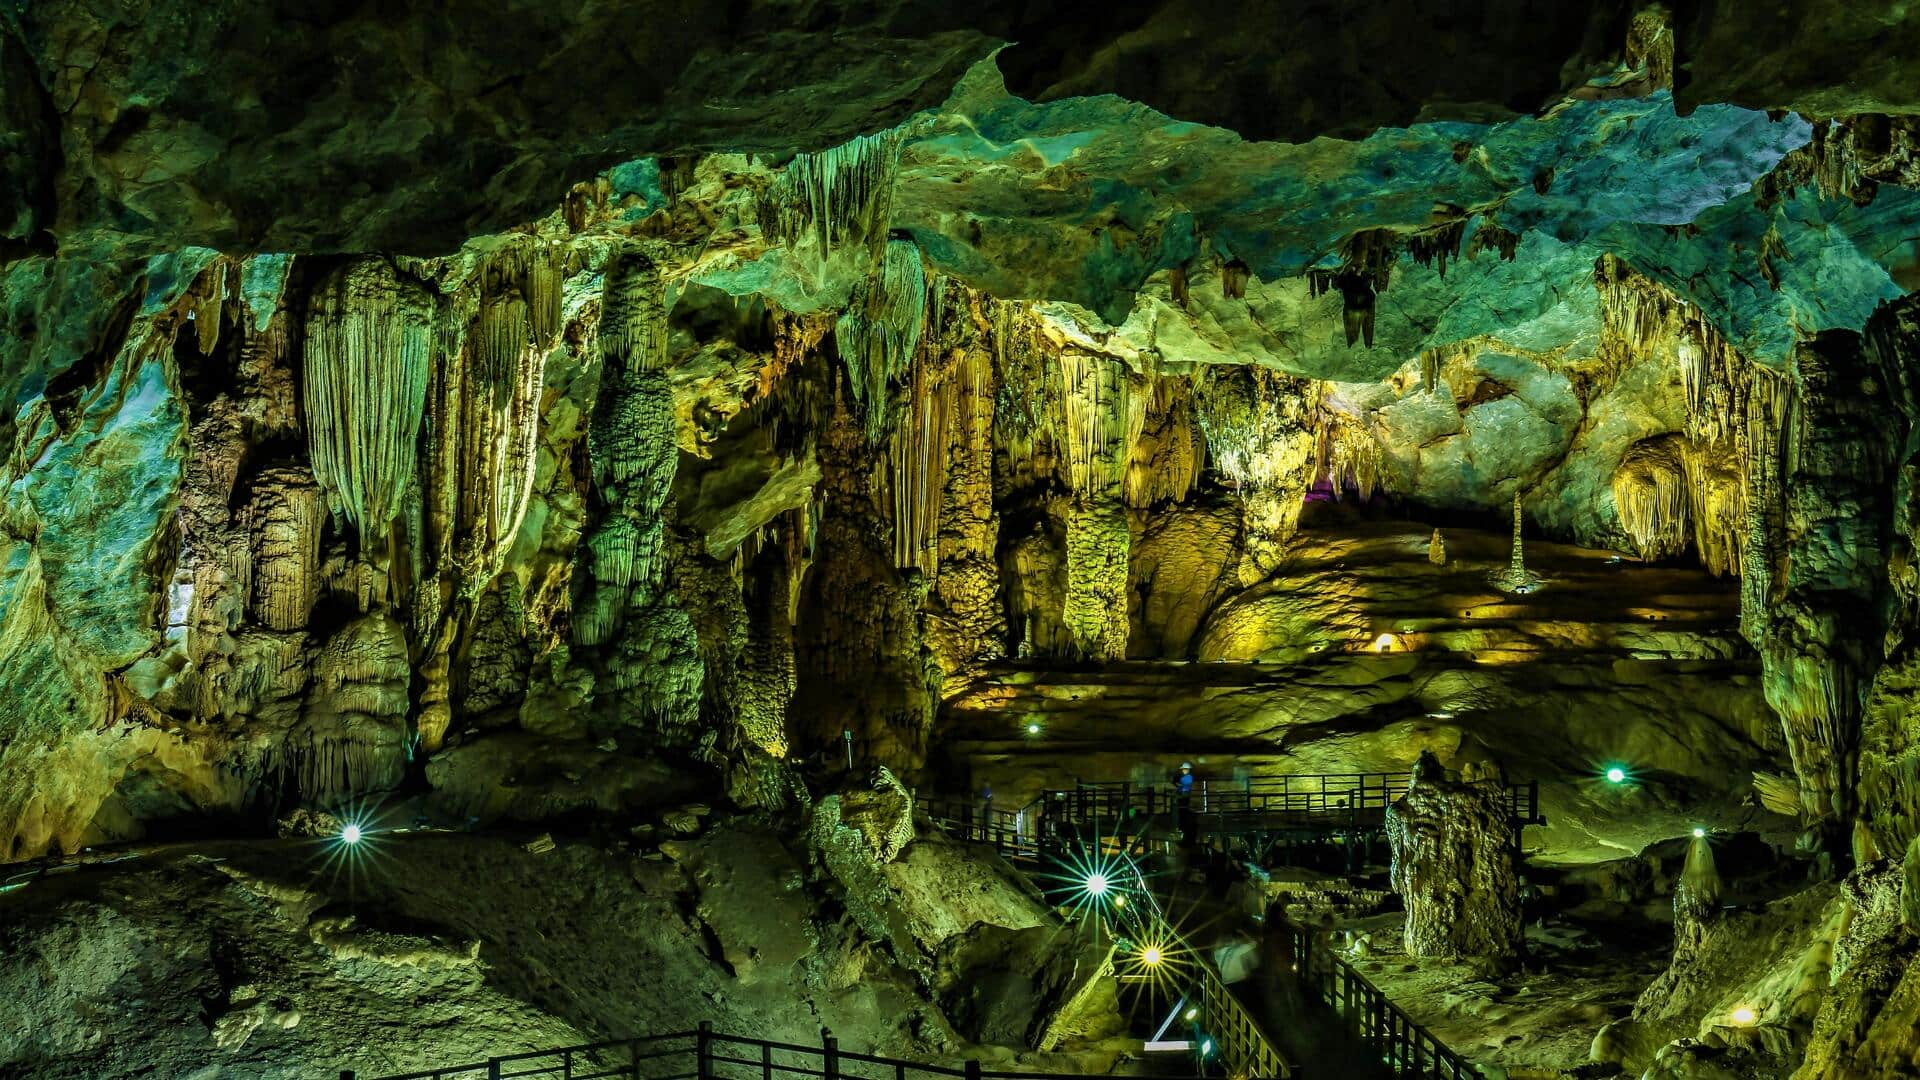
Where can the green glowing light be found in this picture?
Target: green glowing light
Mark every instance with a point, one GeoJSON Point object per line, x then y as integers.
{"type": "Point", "coordinates": [1033, 729]}
{"type": "Point", "coordinates": [1616, 775]}
{"type": "Point", "coordinates": [1699, 833]}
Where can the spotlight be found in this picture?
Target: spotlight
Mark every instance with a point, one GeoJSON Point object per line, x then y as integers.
{"type": "Point", "coordinates": [1193, 1014]}
{"type": "Point", "coordinates": [1743, 1016]}
{"type": "Point", "coordinates": [1384, 643]}
{"type": "Point", "coordinates": [1150, 956]}
{"type": "Point", "coordinates": [1616, 775]}
{"type": "Point", "coordinates": [1096, 884]}
{"type": "Point", "coordinates": [1119, 901]}
{"type": "Point", "coordinates": [1033, 728]}
{"type": "Point", "coordinates": [1699, 833]}
{"type": "Point", "coordinates": [350, 834]}
{"type": "Point", "coordinates": [1206, 1047]}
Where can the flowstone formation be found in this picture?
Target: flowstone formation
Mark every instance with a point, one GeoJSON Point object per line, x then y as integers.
{"type": "Point", "coordinates": [1453, 865]}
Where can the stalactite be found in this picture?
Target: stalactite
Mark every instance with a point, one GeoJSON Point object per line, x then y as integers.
{"type": "Point", "coordinates": [1437, 245]}
{"type": "Point", "coordinates": [917, 453]}
{"type": "Point", "coordinates": [1101, 418]}
{"type": "Point", "coordinates": [1170, 454]}
{"type": "Point", "coordinates": [1650, 494]}
{"type": "Point", "coordinates": [880, 331]}
{"type": "Point", "coordinates": [1437, 549]}
{"type": "Point", "coordinates": [839, 197]}
{"type": "Point", "coordinates": [490, 399]}
{"type": "Point", "coordinates": [1849, 157]}
{"type": "Point", "coordinates": [1780, 794]}
{"type": "Point", "coordinates": [1489, 236]}
{"type": "Point", "coordinates": [1347, 457]}
{"type": "Point", "coordinates": [1261, 432]}
{"type": "Point", "coordinates": [369, 350]}
{"type": "Point", "coordinates": [1366, 265]}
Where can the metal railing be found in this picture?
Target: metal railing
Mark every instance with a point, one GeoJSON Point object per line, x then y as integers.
{"type": "Point", "coordinates": [1014, 833]}
{"type": "Point", "coordinates": [1335, 800]}
{"type": "Point", "coordinates": [1370, 1017]}
{"type": "Point", "coordinates": [1244, 1048]}
{"type": "Point", "coordinates": [706, 1054]}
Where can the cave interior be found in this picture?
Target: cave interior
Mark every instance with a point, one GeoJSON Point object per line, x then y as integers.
{"type": "Point", "coordinates": [651, 539]}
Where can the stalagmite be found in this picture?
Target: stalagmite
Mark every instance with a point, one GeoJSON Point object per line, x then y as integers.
{"type": "Point", "coordinates": [1453, 866]}
{"type": "Point", "coordinates": [1514, 577]}
{"type": "Point", "coordinates": [1437, 549]}
{"type": "Point", "coordinates": [369, 349]}
{"type": "Point", "coordinates": [1696, 897]}
{"type": "Point", "coordinates": [284, 518]}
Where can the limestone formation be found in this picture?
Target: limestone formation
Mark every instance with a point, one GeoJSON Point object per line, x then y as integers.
{"type": "Point", "coordinates": [1453, 865]}
{"type": "Point", "coordinates": [701, 445]}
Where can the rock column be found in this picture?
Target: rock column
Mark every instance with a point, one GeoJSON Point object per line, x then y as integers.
{"type": "Point", "coordinates": [1453, 866]}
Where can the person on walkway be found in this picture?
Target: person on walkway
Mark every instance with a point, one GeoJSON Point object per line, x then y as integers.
{"type": "Point", "coordinates": [1182, 795]}
{"type": "Point", "coordinates": [986, 810]}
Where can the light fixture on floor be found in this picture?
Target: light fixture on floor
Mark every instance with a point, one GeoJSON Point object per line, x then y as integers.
{"type": "Point", "coordinates": [1699, 833]}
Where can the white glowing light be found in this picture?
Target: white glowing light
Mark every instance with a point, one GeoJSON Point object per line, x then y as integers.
{"type": "Point", "coordinates": [350, 834]}
{"type": "Point", "coordinates": [1385, 643]}
{"type": "Point", "coordinates": [1206, 1048]}
{"type": "Point", "coordinates": [1616, 775]}
{"type": "Point", "coordinates": [1097, 884]}
{"type": "Point", "coordinates": [1033, 729]}
{"type": "Point", "coordinates": [1119, 901]}
{"type": "Point", "coordinates": [1192, 1013]}
{"type": "Point", "coordinates": [1743, 1016]}
{"type": "Point", "coordinates": [1150, 956]}
{"type": "Point", "coordinates": [1699, 833]}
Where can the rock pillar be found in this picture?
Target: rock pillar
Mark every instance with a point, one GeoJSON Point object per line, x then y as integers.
{"type": "Point", "coordinates": [1453, 866]}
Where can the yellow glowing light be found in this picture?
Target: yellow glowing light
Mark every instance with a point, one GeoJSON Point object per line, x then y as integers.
{"type": "Point", "coordinates": [1385, 643]}
{"type": "Point", "coordinates": [1150, 956]}
{"type": "Point", "coordinates": [1192, 1013]}
{"type": "Point", "coordinates": [1743, 1016]}
{"type": "Point", "coordinates": [1119, 901]}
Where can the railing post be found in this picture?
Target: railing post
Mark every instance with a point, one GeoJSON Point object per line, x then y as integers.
{"type": "Point", "coordinates": [346, 1074]}
{"type": "Point", "coordinates": [493, 1069]}
{"type": "Point", "coordinates": [973, 1069]}
{"type": "Point", "coordinates": [830, 1056]}
{"type": "Point", "coordinates": [703, 1050]}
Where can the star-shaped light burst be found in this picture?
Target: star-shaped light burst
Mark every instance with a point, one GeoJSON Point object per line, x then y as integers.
{"type": "Point", "coordinates": [1104, 881]}
{"type": "Point", "coordinates": [355, 848]}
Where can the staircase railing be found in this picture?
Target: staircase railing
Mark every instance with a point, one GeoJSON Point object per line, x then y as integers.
{"type": "Point", "coordinates": [1369, 1015]}
{"type": "Point", "coordinates": [707, 1054]}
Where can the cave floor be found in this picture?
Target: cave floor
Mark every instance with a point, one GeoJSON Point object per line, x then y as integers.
{"type": "Point", "coordinates": [1537, 1023]}
{"type": "Point", "coordinates": [1610, 661]}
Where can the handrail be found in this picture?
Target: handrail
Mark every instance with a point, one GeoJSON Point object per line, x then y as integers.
{"type": "Point", "coordinates": [1243, 1047]}
{"type": "Point", "coordinates": [703, 1058]}
{"type": "Point", "coordinates": [1406, 1048]}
